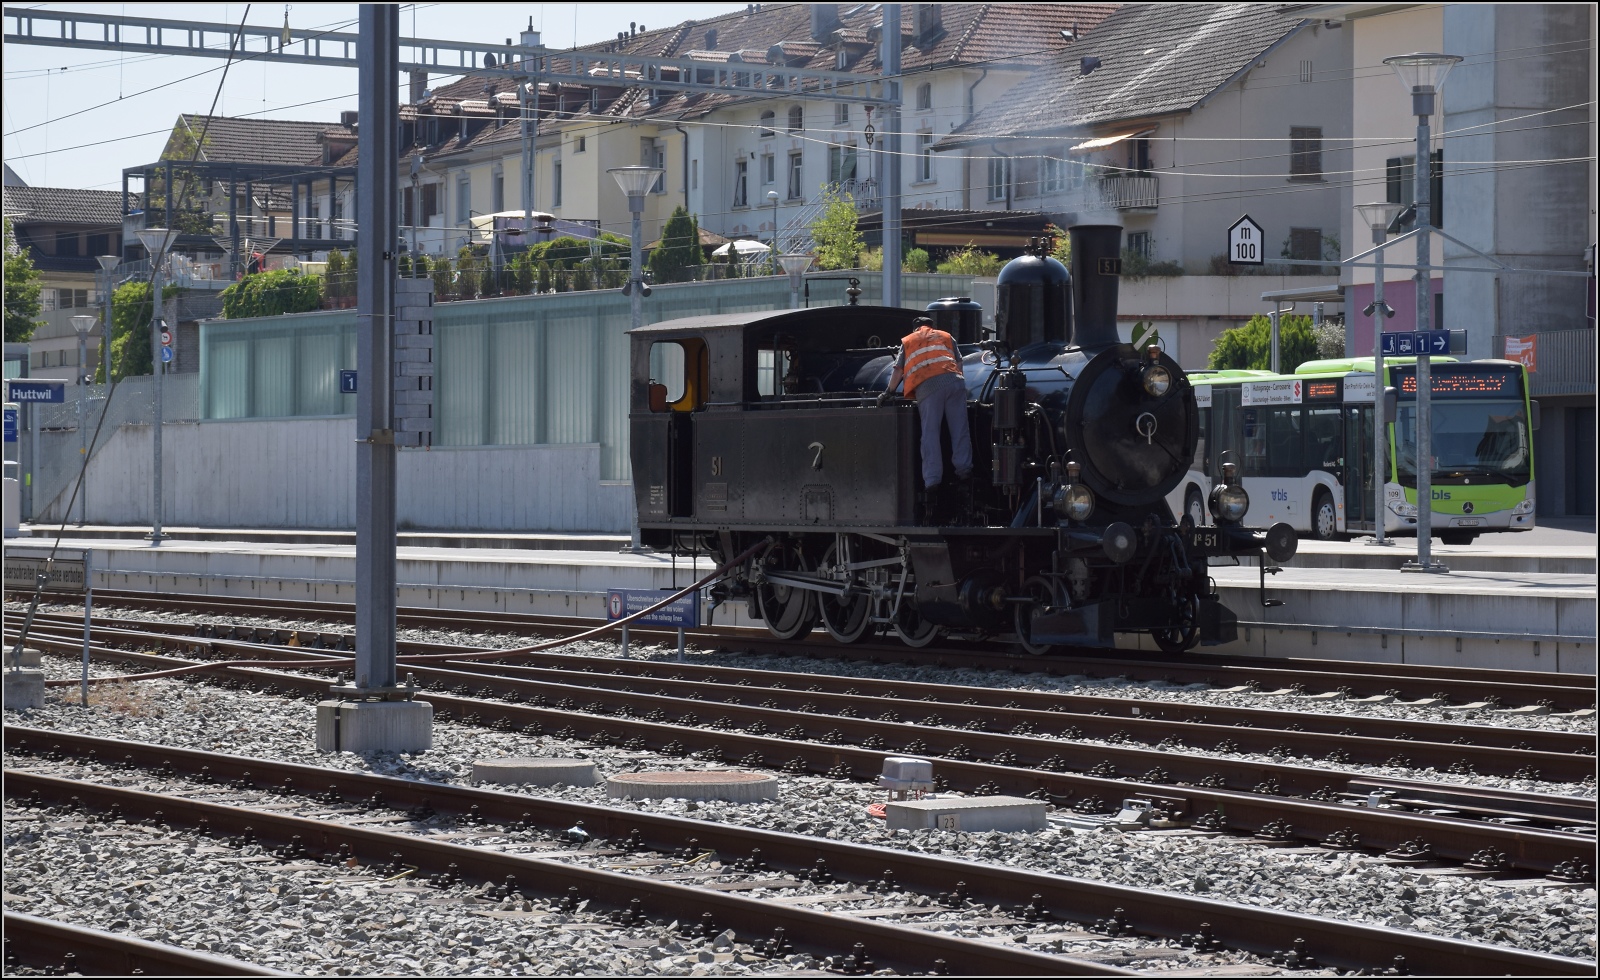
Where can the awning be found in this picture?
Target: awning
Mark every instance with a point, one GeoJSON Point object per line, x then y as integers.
{"type": "Point", "coordinates": [484, 224]}
{"type": "Point", "coordinates": [742, 247]}
{"type": "Point", "coordinates": [1101, 142]}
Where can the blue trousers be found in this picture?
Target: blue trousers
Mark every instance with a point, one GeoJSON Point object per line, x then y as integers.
{"type": "Point", "coordinates": [944, 402]}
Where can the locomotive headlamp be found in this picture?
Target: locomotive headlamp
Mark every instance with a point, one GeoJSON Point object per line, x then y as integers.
{"type": "Point", "coordinates": [1229, 503]}
{"type": "Point", "coordinates": [1075, 502]}
{"type": "Point", "coordinates": [1155, 378]}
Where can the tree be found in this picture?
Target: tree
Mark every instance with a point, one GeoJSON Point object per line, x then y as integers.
{"type": "Point", "coordinates": [835, 232]}
{"type": "Point", "coordinates": [131, 309]}
{"type": "Point", "coordinates": [22, 291]}
{"type": "Point", "coordinates": [443, 277]}
{"type": "Point", "coordinates": [1250, 347]}
{"type": "Point", "coordinates": [971, 262]}
{"type": "Point", "coordinates": [677, 257]}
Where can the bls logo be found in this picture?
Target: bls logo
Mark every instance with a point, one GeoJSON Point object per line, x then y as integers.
{"type": "Point", "coordinates": [1441, 495]}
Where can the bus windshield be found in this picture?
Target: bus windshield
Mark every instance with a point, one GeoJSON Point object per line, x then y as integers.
{"type": "Point", "coordinates": [1478, 440]}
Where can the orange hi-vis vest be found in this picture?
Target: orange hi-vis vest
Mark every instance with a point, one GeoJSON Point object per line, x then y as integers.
{"type": "Point", "coordinates": [928, 353]}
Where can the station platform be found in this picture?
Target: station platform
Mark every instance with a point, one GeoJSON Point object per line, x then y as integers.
{"type": "Point", "coordinates": [1506, 603]}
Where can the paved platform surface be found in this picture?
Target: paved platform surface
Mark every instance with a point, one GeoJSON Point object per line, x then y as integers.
{"type": "Point", "coordinates": [1503, 604]}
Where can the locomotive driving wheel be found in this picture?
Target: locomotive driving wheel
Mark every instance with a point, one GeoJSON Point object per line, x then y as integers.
{"type": "Point", "coordinates": [911, 628]}
{"type": "Point", "coordinates": [1186, 633]}
{"type": "Point", "coordinates": [789, 612]}
{"type": "Point", "coordinates": [847, 618]}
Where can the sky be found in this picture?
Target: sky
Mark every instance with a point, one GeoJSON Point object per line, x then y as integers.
{"type": "Point", "coordinates": [76, 117]}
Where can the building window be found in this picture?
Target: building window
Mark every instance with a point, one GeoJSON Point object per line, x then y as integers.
{"type": "Point", "coordinates": [925, 97]}
{"type": "Point", "coordinates": [1058, 174]}
{"type": "Point", "coordinates": [555, 182]}
{"type": "Point", "coordinates": [924, 156]}
{"type": "Point", "coordinates": [1139, 156]}
{"type": "Point", "coordinates": [769, 169]}
{"type": "Point", "coordinates": [741, 184]}
{"type": "Point", "coordinates": [498, 182]}
{"type": "Point", "coordinates": [841, 60]}
{"type": "Point", "coordinates": [1139, 243]}
{"type": "Point", "coordinates": [463, 200]}
{"type": "Point", "coordinates": [430, 203]}
{"type": "Point", "coordinates": [67, 243]}
{"type": "Point", "coordinates": [841, 164]}
{"type": "Point", "coordinates": [1305, 244]}
{"type": "Point", "coordinates": [1401, 184]}
{"type": "Point", "coordinates": [797, 119]}
{"type": "Point", "coordinates": [999, 177]}
{"type": "Point", "coordinates": [1305, 153]}
{"type": "Point", "coordinates": [580, 144]}
{"type": "Point", "coordinates": [99, 244]}
{"type": "Point", "coordinates": [796, 187]}
{"type": "Point", "coordinates": [769, 119]}
{"type": "Point", "coordinates": [1305, 72]}
{"type": "Point", "coordinates": [653, 153]}
{"type": "Point", "coordinates": [841, 113]}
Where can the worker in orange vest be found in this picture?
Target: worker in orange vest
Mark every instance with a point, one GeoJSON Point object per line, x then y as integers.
{"type": "Point", "coordinates": [930, 364]}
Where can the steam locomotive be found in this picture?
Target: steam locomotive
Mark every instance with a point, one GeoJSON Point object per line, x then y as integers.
{"type": "Point", "coordinates": [764, 429]}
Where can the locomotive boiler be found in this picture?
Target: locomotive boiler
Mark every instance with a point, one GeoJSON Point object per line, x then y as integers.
{"type": "Point", "coordinates": [763, 428]}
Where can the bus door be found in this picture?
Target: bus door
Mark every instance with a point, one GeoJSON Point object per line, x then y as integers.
{"type": "Point", "coordinates": [1358, 488]}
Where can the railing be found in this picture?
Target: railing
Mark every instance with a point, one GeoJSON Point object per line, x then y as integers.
{"type": "Point", "coordinates": [1129, 193]}
{"type": "Point", "coordinates": [1565, 363]}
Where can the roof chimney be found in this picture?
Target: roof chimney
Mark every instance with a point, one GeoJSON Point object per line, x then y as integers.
{"type": "Point", "coordinates": [347, 119]}
{"type": "Point", "coordinates": [419, 85]}
{"type": "Point", "coordinates": [530, 39]}
{"type": "Point", "coordinates": [824, 19]}
{"type": "Point", "coordinates": [711, 39]}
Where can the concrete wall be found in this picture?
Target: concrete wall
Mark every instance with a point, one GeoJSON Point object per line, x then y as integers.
{"type": "Point", "coordinates": [301, 473]}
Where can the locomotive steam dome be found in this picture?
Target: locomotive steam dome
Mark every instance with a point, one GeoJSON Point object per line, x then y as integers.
{"type": "Point", "coordinates": [1033, 301]}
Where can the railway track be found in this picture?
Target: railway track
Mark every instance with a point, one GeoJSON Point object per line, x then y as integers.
{"type": "Point", "coordinates": [51, 946]}
{"type": "Point", "coordinates": [1483, 828]}
{"type": "Point", "coordinates": [1457, 685]}
{"type": "Point", "coordinates": [621, 868]}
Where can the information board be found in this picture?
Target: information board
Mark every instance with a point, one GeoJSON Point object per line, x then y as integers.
{"type": "Point", "coordinates": [22, 571]}
{"type": "Point", "coordinates": [683, 612]}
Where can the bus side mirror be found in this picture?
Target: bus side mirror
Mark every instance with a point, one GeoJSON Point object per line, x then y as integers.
{"type": "Point", "coordinates": [1533, 415]}
{"type": "Point", "coordinates": [1391, 403]}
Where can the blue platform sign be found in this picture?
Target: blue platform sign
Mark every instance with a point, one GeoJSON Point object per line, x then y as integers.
{"type": "Point", "coordinates": [1418, 342]}
{"type": "Point", "coordinates": [20, 390]}
{"type": "Point", "coordinates": [683, 612]}
{"type": "Point", "coordinates": [11, 424]}
{"type": "Point", "coordinates": [347, 382]}
{"type": "Point", "coordinates": [166, 355]}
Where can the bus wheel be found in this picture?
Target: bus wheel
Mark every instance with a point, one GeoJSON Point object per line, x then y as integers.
{"type": "Point", "coordinates": [1195, 507]}
{"type": "Point", "coordinates": [1324, 518]}
{"type": "Point", "coordinates": [1456, 537]}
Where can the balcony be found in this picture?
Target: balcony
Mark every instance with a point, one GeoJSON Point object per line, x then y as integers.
{"type": "Point", "coordinates": [1129, 193]}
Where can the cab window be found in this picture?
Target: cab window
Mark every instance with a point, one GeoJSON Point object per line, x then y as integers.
{"type": "Point", "coordinates": [679, 373]}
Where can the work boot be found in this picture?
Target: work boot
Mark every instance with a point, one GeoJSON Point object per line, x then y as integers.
{"type": "Point", "coordinates": [934, 505]}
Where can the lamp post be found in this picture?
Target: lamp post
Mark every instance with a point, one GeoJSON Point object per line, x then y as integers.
{"type": "Point", "coordinates": [636, 182]}
{"type": "Point", "coordinates": [1423, 73]}
{"type": "Point", "coordinates": [83, 323]}
{"type": "Point", "coordinates": [795, 265]}
{"type": "Point", "coordinates": [107, 263]}
{"type": "Point", "coordinates": [156, 241]}
{"type": "Point", "coordinates": [1378, 216]}
{"type": "Point", "coordinates": [772, 257]}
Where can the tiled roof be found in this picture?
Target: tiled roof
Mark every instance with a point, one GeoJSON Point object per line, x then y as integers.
{"type": "Point", "coordinates": [63, 205]}
{"type": "Point", "coordinates": [1153, 59]}
{"type": "Point", "coordinates": [280, 142]}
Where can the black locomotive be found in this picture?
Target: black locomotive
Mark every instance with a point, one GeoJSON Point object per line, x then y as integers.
{"type": "Point", "coordinates": [763, 428]}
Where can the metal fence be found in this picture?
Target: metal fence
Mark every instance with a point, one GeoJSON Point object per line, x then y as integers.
{"type": "Point", "coordinates": [520, 370]}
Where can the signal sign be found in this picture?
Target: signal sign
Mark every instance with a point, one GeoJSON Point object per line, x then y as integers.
{"type": "Point", "coordinates": [1245, 243]}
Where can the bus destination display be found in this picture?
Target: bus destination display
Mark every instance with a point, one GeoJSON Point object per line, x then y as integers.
{"type": "Point", "coordinates": [1485, 383]}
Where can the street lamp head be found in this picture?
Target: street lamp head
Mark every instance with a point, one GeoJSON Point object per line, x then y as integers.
{"type": "Point", "coordinates": [635, 181]}
{"type": "Point", "coordinates": [108, 262]}
{"type": "Point", "coordinates": [156, 241]}
{"type": "Point", "coordinates": [772, 196]}
{"type": "Point", "coordinates": [1423, 71]}
{"type": "Point", "coordinates": [794, 263]}
{"type": "Point", "coordinates": [84, 323]}
{"type": "Point", "coordinates": [1379, 214]}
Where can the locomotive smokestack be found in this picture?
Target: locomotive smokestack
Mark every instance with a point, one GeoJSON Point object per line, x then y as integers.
{"type": "Point", "coordinates": [1096, 274]}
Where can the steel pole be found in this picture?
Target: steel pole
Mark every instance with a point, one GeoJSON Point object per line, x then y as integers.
{"type": "Point", "coordinates": [375, 448]}
{"type": "Point", "coordinates": [1274, 341]}
{"type": "Point", "coordinates": [1380, 430]}
{"type": "Point", "coordinates": [158, 369]}
{"type": "Point", "coordinates": [636, 317]}
{"type": "Point", "coordinates": [105, 326]}
{"type": "Point", "coordinates": [1422, 103]}
{"type": "Point", "coordinates": [83, 429]}
{"type": "Point", "coordinates": [891, 141]}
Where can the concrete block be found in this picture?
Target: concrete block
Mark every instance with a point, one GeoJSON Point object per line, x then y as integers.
{"type": "Point", "coordinates": [24, 690]}
{"type": "Point", "coordinates": [539, 772]}
{"type": "Point", "coordinates": [731, 787]}
{"type": "Point", "coordinates": [365, 727]}
{"type": "Point", "coordinates": [1006, 814]}
{"type": "Point", "coordinates": [29, 658]}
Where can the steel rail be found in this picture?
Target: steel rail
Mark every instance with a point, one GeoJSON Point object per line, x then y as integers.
{"type": "Point", "coordinates": [1152, 913]}
{"type": "Point", "coordinates": [1095, 706]}
{"type": "Point", "coordinates": [751, 918]}
{"type": "Point", "coordinates": [1450, 839]}
{"type": "Point", "coordinates": [81, 951]}
{"type": "Point", "coordinates": [1029, 748]}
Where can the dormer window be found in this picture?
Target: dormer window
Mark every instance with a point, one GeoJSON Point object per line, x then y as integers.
{"type": "Point", "coordinates": [841, 60]}
{"type": "Point", "coordinates": [768, 120]}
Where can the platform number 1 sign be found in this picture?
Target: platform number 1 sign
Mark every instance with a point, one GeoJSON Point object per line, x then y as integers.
{"type": "Point", "coordinates": [1245, 243]}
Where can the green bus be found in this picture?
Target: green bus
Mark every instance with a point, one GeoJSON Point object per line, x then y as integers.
{"type": "Point", "coordinates": [1303, 443]}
